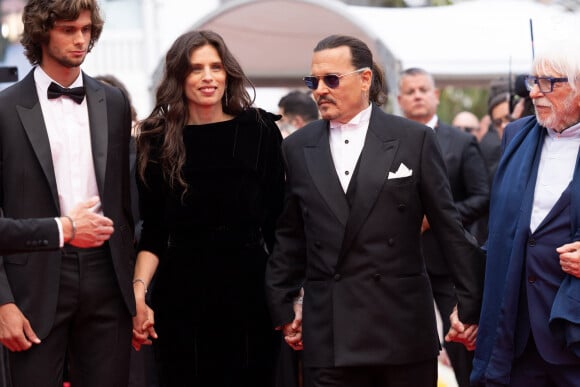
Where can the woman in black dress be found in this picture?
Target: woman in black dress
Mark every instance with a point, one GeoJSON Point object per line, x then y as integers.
{"type": "Point", "coordinates": [211, 187]}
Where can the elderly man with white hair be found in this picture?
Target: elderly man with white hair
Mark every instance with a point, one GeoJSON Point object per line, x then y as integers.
{"type": "Point", "coordinates": [529, 331]}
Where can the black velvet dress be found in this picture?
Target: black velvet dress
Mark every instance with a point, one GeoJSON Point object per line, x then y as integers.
{"type": "Point", "coordinates": [212, 241]}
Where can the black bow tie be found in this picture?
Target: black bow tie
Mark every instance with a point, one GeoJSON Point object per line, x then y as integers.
{"type": "Point", "coordinates": [77, 94]}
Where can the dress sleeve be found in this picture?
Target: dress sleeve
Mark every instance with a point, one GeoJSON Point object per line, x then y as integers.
{"type": "Point", "coordinates": [152, 199]}
{"type": "Point", "coordinates": [273, 179]}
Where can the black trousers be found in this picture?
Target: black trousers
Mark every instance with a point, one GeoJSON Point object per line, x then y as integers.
{"type": "Point", "coordinates": [92, 329]}
{"type": "Point", "coordinates": [420, 374]}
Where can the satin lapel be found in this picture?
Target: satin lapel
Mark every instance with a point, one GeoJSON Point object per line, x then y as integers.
{"type": "Point", "coordinates": [321, 168]}
{"type": "Point", "coordinates": [97, 107]}
{"type": "Point", "coordinates": [375, 162]}
{"type": "Point", "coordinates": [30, 114]}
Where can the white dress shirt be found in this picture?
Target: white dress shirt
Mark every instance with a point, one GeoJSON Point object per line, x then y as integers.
{"type": "Point", "coordinates": [433, 122]}
{"type": "Point", "coordinates": [346, 144]}
{"type": "Point", "coordinates": [555, 171]}
{"type": "Point", "coordinates": [69, 135]}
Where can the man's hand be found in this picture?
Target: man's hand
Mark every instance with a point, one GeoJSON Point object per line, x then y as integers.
{"type": "Point", "coordinates": [293, 331]}
{"type": "Point", "coordinates": [570, 258]}
{"type": "Point", "coordinates": [425, 225]}
{"type": "Point", "coordinates": [92, 229]}
{"type": "Point", "coordinates": [465, 334]}
{"type": "Point", "coordinates": [16, 334]}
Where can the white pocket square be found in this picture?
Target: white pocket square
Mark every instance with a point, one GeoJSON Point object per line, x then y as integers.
{"type": "Point", "coordinates": [403, 171]}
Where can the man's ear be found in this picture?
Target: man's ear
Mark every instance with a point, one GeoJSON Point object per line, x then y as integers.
{"type": "Point", "coordinates": [298, 122]}
{"type": "Point", "coordinates": [367, 76]}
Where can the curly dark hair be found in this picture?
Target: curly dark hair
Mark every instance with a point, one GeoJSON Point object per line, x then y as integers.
{"type": "Point", "coordinates": [39, 17]}
{"type": "Point", "coordinates": [170, 113]}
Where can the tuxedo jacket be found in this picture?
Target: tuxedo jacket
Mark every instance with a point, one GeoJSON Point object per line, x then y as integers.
{"type": "Point", "coordinates": [28, 190]}
{"type": "Point", "coordinates": [368, 299]}
{"type": "Point", "coordinates": [468, 178]}
{"type": "Point", "coordinates": [21, 235]}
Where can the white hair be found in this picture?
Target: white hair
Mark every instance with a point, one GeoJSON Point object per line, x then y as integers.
{"type": "Point", "coordinates": [562, 57]}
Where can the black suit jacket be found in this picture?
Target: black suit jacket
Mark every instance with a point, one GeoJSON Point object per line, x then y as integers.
{"type": "Point", "coordinates": [21, 235]}
{"type": "Point", "coordinates": [468, 179]}
{"type": "Point", "coordinates": [490, 146]}
{"type": "Point", "coordinates": [28, 190]}
{"type": "Point", "coordinates": [367, 295]}
{"type": "Point", "coordinates": [466, 170]}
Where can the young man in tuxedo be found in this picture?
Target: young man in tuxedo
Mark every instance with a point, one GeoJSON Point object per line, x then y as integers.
{"type": "Point", "coordinates": [358, 183]}
{"type": "Point", "coordinates": [64, 154]}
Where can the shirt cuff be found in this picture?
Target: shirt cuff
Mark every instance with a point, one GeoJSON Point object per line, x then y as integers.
{"type": "Point", "coordinates": [60, 232]}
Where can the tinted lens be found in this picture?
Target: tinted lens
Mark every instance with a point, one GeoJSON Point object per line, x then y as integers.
{"type": "Point", "coordinates": [331, 80]}
{"type": "Point", "coordinates": [311, 82]}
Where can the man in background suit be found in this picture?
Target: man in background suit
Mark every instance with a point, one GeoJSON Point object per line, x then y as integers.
{"type": "Point", "coordinates": [297, 109]}
{"type": "Point", "coordinates": [467, 173]}
{"type": "Point", "coordinates": [358, 184]}
{"type": "Point", "coordinates": [529, 332]}
{"type": "Point", "coordinates": [64, 140]}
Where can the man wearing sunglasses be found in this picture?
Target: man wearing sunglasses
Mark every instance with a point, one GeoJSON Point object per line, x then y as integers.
{"type": "Point", "coordinates": [358, 183]}
{"type": "Point", "coordinates": [529, 329]}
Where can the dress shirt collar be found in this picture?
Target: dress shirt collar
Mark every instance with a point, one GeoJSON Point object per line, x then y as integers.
{"type": "Point", "coordinates": [360, 120]}
{"type": "Point", "coordinates": [43, 80]}
{"type": "Point", "coordinates": [432, 123]}
{"type": "Point", "coordinates": [571, 132]}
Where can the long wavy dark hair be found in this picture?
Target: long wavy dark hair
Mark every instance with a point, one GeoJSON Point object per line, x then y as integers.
{"type": "Point", "coordinates": [361, 57]}
{"type": "Point", "coordinates": [39, 17]}
{"type": "Point", "coordinates": [165, 124]}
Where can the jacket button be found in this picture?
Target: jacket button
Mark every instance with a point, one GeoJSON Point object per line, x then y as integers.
{"type": "Point", "coordinates": [532, 242]}
{"type": "Point", "coordinates": [44, 242]}
{"type": "Point", "coordinates": [532, 279]}
{"type": "Point", "coordinates": [377, 277]}
{"type": "Point", "coordinates": [401, 207]}
{"type": "Point", "coordinates": [337, 277]}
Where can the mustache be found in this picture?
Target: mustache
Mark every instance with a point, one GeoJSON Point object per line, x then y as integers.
{"type": "Point", "coordinates": [325, 98]}
{"type": "Point", "coordinates": [542, 102]}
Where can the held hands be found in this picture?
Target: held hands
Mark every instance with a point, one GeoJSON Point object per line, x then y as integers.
{"type": "Point", "coordinates": [465, 334]}
{"type": "Point", "coordinates": [143, 327]}
{"type": "Point", "coordinates": [293, 331]}
{"type": "Point", "coordinates": [570, 258]}
{"type": "Point", "coordinates": [88, 229]}
{"type": "Point", "coordinates": [143, 322]}
{"type": "Point", "coordinates": [16, 334]}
